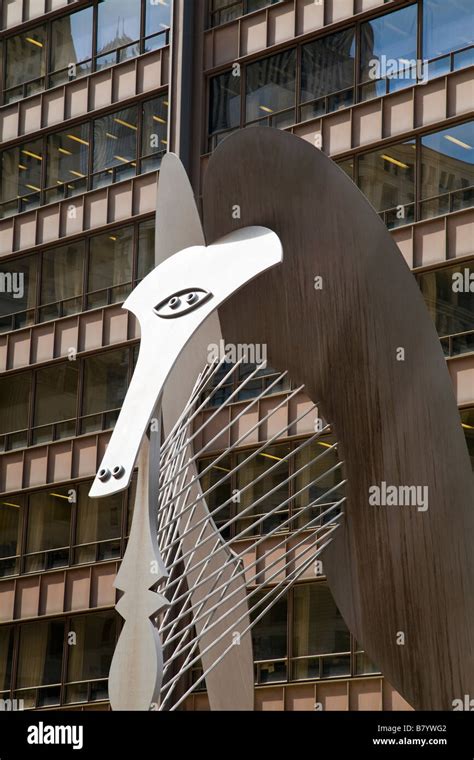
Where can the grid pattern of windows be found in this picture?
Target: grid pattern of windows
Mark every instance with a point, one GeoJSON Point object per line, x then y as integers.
{"type": "Point", "coordinates": [61, 526]}
{"type": "Point", "coordinates": [65, 399]}
{"type": "Point", "coordinates": [288, 497]}
{"type": "Point", "coordinates": [64, 661]}
{"type": "Point", "coordinates": [70, 46]}
{"type": "Point", "coordinates": [85, 274]}
{"type": "Point", "coordinates": [84, 157]}
{"type": "Point", "coordinates": [419, 178]}
{"type": "Point", "coordinates": [334, 71]}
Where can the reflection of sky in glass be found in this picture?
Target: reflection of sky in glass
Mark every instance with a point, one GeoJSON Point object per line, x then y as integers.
{"type": "Point", "coordinates": [445, 142]}
{"type": "Point", "coordinates": [394, 36]}
{"type": "Point", "coordinates": [157, 16]}
{"type": "Point", "coordinates": [118, 23]}
{"type": "Point", "coordinates": [81, 31]}
{"type": "Point", "coordinates": [447, 26]}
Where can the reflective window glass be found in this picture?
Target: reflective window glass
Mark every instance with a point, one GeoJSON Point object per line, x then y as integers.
{"type": "Point", "coordinates": [251, 491]}
{"type": "Point", "coordinates": [446, 26]}
{"type": "Point", "coordinates": [14, 395]}
{"type": "Point", "coordinates": [154, 131]}
{"type": "Point", "coordinates": [6, 656]}
{"type": "Point", "coordinates": [271, 85]}
{"type": "Point", "coordinates": [387, 176]}
{"type": "Point", "coordinates": [389, 48]}
{"type": "Point", "coordinates": [146, 248]}
{"type": "Point", "coordinates": [40, 653]}
{"type": "Point", "coordinates": [327, 65]}
{"type": "Point", "coordinates": [118, 24]}
{"type": "Point", "coordinates": [157, 16]}
{"type": "Point", "coordinates": [71, 43]}
{"type": "Point", "coordinates": [449, 296]}
{"type": "Point", "coordinates": [62, 280]}
{"type": "Point", "coordinates": [91, 657]}
{"type": "Point", "coordinates": [67, 164]}
{"type": "Point", "coordinates": [11, 510]}
{"type": "Point", "coordinates": [55, 401]}
{"type": "Point", "coordinates": [224, 102]}
{"type": "Point", "coordinates": [48, 532]}
{"type": "Point", "coordinates": [105, 381]}
{"type": "Point", "coordinates": [97, 519]}
{"type": "Point", "coordinates": [21, 176]}
{"type": "Point", "coordinates": [25, 61]}
{"type": "Point", "coordinates": [115, 143]}
{"type": "Point", "coordinates": [110, 267]}
{"type": "Point", "coordinates": [447, 166]}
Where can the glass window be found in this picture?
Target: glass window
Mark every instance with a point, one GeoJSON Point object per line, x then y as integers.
{"type": "Point", "coordinates": [67, 164]}
{"type": "Point", "coordinates": [446, 26]}
{"type": "Point", "coordinates": [62, 281]}
{"type": "Point", "coordinates": [18, 292]}
{"type": "Point", "coordinates": [21, 177]}
{"type": "Point", "coordinates": [154, 131]}
{"type": "Point", "coordinates": [25, 61]}
{"type": "Point", "coordinates": [157, 21]}
{"type": "Point", "coordinates": [118, 24]}
{"type": "Point", "coordinates": [90, 658]}
{"type": "Point", "coordinates": [389, 49]}
{"type": "Point", "coordinates": [11, 509]}
{"type": "Point", "coordinates": [14, 395]}
{"type": "Point", "coordinates": [450, 301]}
{"type": "Point", "coordinates": [105, 385]}
{"type": "Point", "coordinates": [327, 65]}
{"type": "Point", "coordinates": [271, 85]}
{"type": "Point", "coordinates": [315, 482]}
{"type": "Point", "coordinates": [71, 45]}
{"type": "Point", "coordinates": [269, 638]}
{"type": "Point", "coordinates": [146, 248]}
{"type": "Point", "coordinates": [220, 493]}
{"type": "Point", "coordinates": [97, 520]}
{"type": "Point", "coordinates": [251, 492]}
{"type": "Point", "coordinates": [48, 531]}
{"type": "Point", "coordinates": [447, 166]}
{"type": "Point", "coordinates": [55, 401]}
{"type": "Point", "coordinates": [318, 629]}
{"type": "Point", "coordinates": [110, 267]}
{"type": "Point", "coordinates": [387, 179]}
{"type": "Point", "coordinates": [40, 658]}
{"type": "Point", "coordinates": [224, 102]}
{"type": "Point", "coordinates": [115, 145]}
{"type": "Point", "coordinates": [6, 656]}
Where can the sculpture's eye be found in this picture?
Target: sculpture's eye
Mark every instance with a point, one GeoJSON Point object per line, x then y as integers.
{"type": "Point", "coordinates": [181, 303]}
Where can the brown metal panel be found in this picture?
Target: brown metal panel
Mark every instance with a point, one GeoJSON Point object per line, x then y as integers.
{"type": "Point", "coordinates": [391, 569]}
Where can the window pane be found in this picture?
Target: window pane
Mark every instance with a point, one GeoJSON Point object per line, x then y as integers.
{"type": "Point", "coordinates": [327, 65]}
{"type": "Point", "coordinates": [115, 139]}
{"type": "Point", "coordinates": [105, 381]}
{"type": "Point", "coordinates": [449, 298]}
{"type": "Point", "coordinates": [318, 627]}
{"type": "Point", "coordinates": [49, 520]}
{"type": "Point", "coordinates": [224, 102]}
{"type": "Point", "coordinates": [467, 420]}
{"type": "Point", "coordinates": [40, 654]}
{"type": "Point", "coordinates": [19, 287]}
{"type": "Point", "coordinates": [220, 493]}
{"type": "Point", "coordinates": [118, 23]}
{"type": "Point", "coordinates": [68, 156]}
{"type": "Point", "coordinates": [62, 273]}
{"type": "Point", "coordinates": [446, 26]}
{"type": "Point", "coordinates": [97, 519]}
{"type": "Point", "coordinates": [14, 395]}
{"type": "Point", "coordinates": [324, 482]}
{"type": "Point", "coordinates": [91, 657]}
{"type": "Point", "coordinates": [387, 176]}
{"type": "Point", "coordinates": [25, 57]}
{"type": "Point", "coordinates": [388, 44]}
{"type": "Point", "coordinates": [110, 259]}
{"type": "Point", "coordinates": [56, 393]}
{"type": "Point", "coordinates": [248, 473]}
{"type": "Point", "coordinates": [155, 126]}
{"type": "Point", "coordinates": [10, 513]}
{"type": "Point", "coordinates": [271, 85]}
{"type": "Point", "coordinates": [447, 160]}
{"type": "Point", "coordinates": [269, 634]}
{"type": "Point", "coordinates": [71, 40]}
{"type": "Point", "coordinates": [158, 16]}
{"type": "Point", "coordinates": [146, 248]}
{"type": "Point", "coordinates": [21, 171]}
{"type": "Point", "coordinates": [6, 656]}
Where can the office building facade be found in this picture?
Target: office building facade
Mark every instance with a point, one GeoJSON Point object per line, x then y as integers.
{"type": "Point", "coordinates": [92, 96]}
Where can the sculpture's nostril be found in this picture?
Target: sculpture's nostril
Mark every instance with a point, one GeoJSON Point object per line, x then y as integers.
{"type": "Point", "coordinates": [174, 302]}
{"type": "Point", "coordinates": [118, 471]}
{"type": "Point", "coordinates": [191, 298]}
{"type": "Point", "coordinates": [103, 474]}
